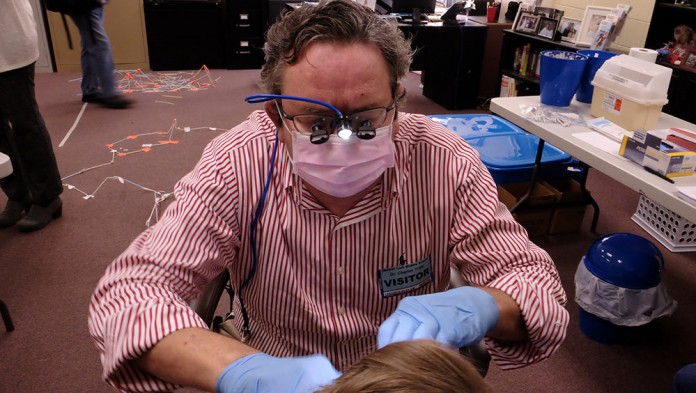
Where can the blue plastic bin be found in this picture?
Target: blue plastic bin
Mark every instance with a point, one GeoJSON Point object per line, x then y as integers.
{"type": "Point", "coordinates": [507, 151]}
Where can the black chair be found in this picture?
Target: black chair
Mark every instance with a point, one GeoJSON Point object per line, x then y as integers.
{"type": "Point", "coordinates": [207, 303]}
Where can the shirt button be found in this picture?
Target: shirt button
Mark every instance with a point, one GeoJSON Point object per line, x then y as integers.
{"type": "Point", "coordinates": [341, 310]}
{"type": "Point", "coordinates": [340, 270]}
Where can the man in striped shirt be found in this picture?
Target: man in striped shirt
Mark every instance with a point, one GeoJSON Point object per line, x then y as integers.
{"type": "Point", "coordinates": [338, 218]}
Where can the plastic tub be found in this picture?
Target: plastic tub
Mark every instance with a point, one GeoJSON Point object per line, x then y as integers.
{"type": "Point", "coordinates": [507, 151]}
{"type": "Point", "coordinates": [510, 158]}
{"type": "Point", "coordinates": [473, 125]}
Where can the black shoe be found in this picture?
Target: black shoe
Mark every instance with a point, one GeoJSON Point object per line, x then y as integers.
{"type": "Point", "coordinates": [39, 216]}
{"type": "Point", "coordinates": [13, 212]}
{"type": "Point", "coordinates": [114, 102]}
{"type": "Point", "coordinates": [90, 98]}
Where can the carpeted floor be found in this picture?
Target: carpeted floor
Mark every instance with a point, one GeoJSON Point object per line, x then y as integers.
{"type": "Point", "coordinates": [46, 278]}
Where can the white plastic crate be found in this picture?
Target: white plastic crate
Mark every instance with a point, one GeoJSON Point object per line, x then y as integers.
{"type": "Point", "coordinates": [673, 231]}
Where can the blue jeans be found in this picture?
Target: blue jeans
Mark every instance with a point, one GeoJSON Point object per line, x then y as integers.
{"type": "Point", "coordinates": [25, 139]}
{"type": "Point", "coordinates": [95, 57]}
{"type": "Point", "coordinates": [685, 380]}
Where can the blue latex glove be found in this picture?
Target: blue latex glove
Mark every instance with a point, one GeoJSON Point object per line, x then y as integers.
{"type": "Point", "coordinates": [458, 317]}
{"type": "Point", "coordinates": [260, 372]}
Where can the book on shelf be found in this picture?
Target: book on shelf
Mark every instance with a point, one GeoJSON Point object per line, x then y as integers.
{"type": "Point", "coordinates": [508, 87]}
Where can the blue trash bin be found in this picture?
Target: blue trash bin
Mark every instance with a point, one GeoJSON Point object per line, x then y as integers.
{"type": "Point", "coordinates": [559, 76]}
{"type": "Point", "coordinates": [618, 286]}
{"type": "Point", "coordinates": [595, 59]}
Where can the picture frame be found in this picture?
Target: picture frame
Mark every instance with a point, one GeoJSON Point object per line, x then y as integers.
{"type": "Point", "coordinates": [689, 63]}
{"type": "Point", "coordinates": [547, 28]}
{"type": "Point", "coordinates": [569, 29]}
{"type": "Point", "coordinates": [523, 7]}
{"type": "Point", "coordinates": [528, 23]}
{"type": "Point", "coordinates": [547, 12]}
{"type": "Point", "coordinates": [594, 15]}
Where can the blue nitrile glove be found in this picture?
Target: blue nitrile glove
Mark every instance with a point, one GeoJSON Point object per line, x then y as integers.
{"type": "Point", "coordinates": [264, 373]}
{"type": "Point", "coordinates": [458, 317]}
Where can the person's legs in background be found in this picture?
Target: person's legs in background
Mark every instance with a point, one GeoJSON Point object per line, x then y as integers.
{"type": "Point", "coordinates": [35, 184]}
{"type": "Point", "coordinates": [97, 63]}
{"type": "Point", "coordinates": [685, 380]}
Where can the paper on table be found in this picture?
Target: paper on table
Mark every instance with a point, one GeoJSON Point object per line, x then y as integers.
{"type": "Point", "coordinates": [687, 193]}
{"type": "Point", "coordinates": [600, 141]}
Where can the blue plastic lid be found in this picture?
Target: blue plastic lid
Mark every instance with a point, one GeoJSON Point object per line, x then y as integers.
{"type": "Point", "coordinates": [514, 151]}
{"type": "Point", "coordinates": [476, 124]}
{"type": "Point", "coordinates": [625, 260]}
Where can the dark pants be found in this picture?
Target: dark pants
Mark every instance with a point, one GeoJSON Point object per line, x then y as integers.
{"type": "Point", "coordinates": [25, 139]}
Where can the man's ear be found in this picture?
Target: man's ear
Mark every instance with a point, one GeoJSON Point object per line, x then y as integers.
{"type": "Point", "coordinates": [400, 91]}
{"type": "Point", "coordinates": [272, 111]}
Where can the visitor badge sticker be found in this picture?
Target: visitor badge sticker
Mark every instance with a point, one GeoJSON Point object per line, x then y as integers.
{"type": "Point", "coordinates": [405, 278]}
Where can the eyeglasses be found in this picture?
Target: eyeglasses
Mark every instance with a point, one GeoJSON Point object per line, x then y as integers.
{"type": "Point", "coordinates": [307, 124]}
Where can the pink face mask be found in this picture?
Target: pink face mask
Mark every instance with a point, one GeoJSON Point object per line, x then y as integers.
{"type": "Point", "coordinates": [343, 168]}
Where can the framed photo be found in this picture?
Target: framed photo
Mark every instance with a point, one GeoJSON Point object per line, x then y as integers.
{"type": "Point", "coordinates": [569, 29]}
{"type": "Point", "coordinates": [590, 24]}
{"type": "Point", "coordinates": [547, 28]}
{"type": "Point", "coordinates": [547, 12]}
{"type": "Point", "coordinates": [528, 23]}
{"type": "Point", "coordinates": [523, 7]}
{"type": "Point", "coordinates": [689, 62]}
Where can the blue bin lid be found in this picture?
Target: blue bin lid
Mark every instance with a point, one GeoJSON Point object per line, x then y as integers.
{"type": "Point", "coordinates": [514, 151]}
{"type": "Point", "coordinates": [476, 124]}
{"type": "Point", "coordinates": [625, 260]}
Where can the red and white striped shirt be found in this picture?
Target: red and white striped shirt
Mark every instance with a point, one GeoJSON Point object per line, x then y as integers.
{"type": "Point", "coordinates": [316, 287]}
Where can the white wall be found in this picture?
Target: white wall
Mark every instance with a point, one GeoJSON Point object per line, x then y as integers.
{"type": "Point", "coordinates": [635, 29]}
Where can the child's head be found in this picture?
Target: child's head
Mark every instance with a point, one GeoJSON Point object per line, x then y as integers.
{"type": "Point", "coordinates": [682, 34]}
{"type": "Point", "coordinates": [411, 367]}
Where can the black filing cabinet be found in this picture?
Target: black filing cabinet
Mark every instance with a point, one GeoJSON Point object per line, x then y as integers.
{"type": "Point", "coordinates": [450, 58]}
{"type": "Point", "coordinates": [186, 34]}
{"type": "Point", "coordinates": [247, 24]}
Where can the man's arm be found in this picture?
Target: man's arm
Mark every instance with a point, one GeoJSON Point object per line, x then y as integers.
{"type": "Point", "coordinates": [510, 326]}
{"type": "Point", "coordinates": [193, 357]}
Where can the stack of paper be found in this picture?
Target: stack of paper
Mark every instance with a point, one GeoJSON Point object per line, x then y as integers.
{"type": "Point", "coordinates": [687, 193]}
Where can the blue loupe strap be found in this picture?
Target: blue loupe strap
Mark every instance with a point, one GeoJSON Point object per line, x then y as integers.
{"type": "Point", "coordinates": [319, 135]}
{"type": "Point", "coordinates": [257, 98]}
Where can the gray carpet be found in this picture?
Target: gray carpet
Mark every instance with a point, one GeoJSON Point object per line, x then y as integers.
{"type": "Point", "coordinates": [46, 278]}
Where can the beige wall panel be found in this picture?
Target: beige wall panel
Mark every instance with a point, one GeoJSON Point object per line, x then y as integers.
{"type": "Point", "coordinates": [125, 25]}
{"type": "Point", "coordinates": [635, 28]}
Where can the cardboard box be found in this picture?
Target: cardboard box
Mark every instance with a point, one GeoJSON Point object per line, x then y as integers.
{"type": "Point", "coordinates": [670, 162]}
{"type": "Point", "coordinates": [535, 219]}
{"type": "Point", "coordinates": [567, 219]}
{"type": "Point", "coordinates": [566, 190]}
{"type": "Point", "coordinates": [650, 151]}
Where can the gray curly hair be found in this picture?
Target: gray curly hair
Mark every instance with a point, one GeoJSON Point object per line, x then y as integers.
{"type": "Point", "coordinates": [343, 21]}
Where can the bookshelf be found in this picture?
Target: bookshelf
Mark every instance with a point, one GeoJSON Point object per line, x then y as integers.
{"type": "Point", "coordinates": [526, 83]}
{"type": "Point", "coordinates": [682, 88]}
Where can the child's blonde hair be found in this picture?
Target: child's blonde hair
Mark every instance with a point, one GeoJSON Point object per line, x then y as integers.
{"type": "Point", "coordinates": [411, 367]}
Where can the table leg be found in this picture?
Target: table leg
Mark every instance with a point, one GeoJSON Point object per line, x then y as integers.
{"type": "Point", "coordinates": [535, 175]}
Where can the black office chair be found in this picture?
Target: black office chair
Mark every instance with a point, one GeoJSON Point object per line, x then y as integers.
{"type": "Point", "coordinates": [207, 303]}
